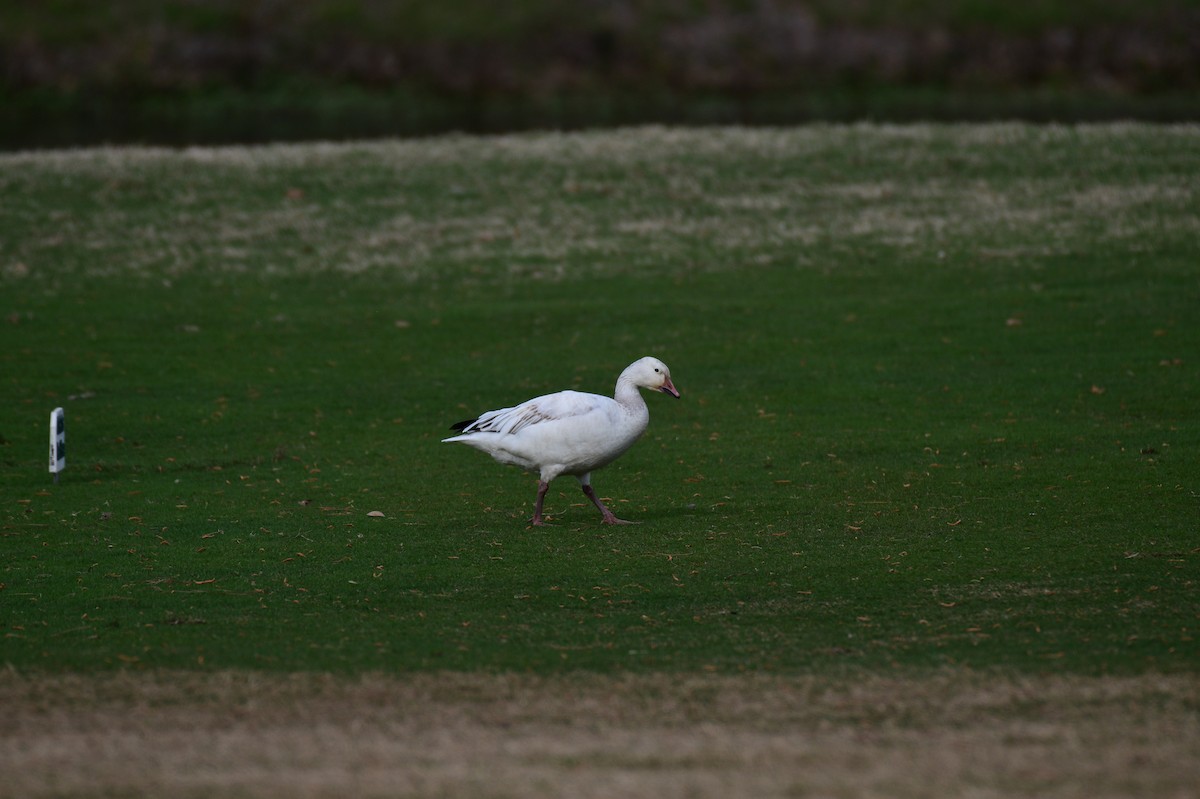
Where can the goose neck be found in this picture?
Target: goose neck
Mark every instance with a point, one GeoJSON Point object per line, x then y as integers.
{"type": "Point", "coordinates": [627, 394]}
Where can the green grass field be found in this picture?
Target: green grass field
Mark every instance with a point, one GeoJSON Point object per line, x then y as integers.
{"type": "Point", "coordinates": [940, 402]}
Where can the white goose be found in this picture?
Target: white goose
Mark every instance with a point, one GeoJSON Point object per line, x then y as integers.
{"type": "Point", "coordinates": [570, 432]}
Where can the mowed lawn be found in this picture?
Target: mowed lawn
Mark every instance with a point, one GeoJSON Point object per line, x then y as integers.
{"type": "Point", "coordinates": [940, 402]}
{"type": "Point", "coordinates": [924, 521]}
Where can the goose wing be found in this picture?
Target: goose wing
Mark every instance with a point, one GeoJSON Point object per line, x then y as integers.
{"type": "Point", "coordinates": [557, 407]}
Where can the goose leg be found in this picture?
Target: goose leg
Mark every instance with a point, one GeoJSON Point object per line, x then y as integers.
{"type": "Point", "coordinates": [609, 518]}
{"type": "Point", "coordinates": [543, 487]}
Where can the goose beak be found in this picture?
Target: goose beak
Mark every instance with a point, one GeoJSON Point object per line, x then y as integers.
{"type": "Point", "coordinates": [669, 388]}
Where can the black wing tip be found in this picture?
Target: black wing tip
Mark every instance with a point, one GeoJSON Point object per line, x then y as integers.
{"type": "Point", "coordinates": [463, 425]}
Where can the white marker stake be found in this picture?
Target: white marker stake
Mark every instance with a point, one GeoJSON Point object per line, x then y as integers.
{"type": "Point", "coordinates": [58, 442]}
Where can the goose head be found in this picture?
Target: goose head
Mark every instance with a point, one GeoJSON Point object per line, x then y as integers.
{"type": "Point", "coordinates": [651, 373]}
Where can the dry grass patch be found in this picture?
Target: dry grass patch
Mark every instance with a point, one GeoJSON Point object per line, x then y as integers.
{"type": "Point", "coordinates": [429, 735]}
{"type": "Point", "coordinates": [594, 203]}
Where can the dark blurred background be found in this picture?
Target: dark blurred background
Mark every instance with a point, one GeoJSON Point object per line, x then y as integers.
{"type": "Point", "coordinates": [176, 72]}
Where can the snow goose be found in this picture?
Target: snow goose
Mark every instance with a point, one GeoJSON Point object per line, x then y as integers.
{"type": "Point", "coordinates": [570, 432]}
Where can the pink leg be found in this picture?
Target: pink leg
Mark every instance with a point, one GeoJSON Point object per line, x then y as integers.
{"type": "Point", "coordinates": [543, 487]}
{"type": "Point", "coordinates": [609, 518]}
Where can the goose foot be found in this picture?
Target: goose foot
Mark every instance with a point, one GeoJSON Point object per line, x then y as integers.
{"type": "Point", "coordinates": [609, 518]}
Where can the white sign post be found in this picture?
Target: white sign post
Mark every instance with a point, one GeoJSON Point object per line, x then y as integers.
{"type": "Point", "coordinates": [58, 442]}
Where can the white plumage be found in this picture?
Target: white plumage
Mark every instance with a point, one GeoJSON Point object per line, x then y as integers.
{"type": "Point", "coordinates": [570, 432]}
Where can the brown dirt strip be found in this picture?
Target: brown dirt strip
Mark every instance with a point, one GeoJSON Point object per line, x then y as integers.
{"type": "Point", "coordinates": [234, 734]}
